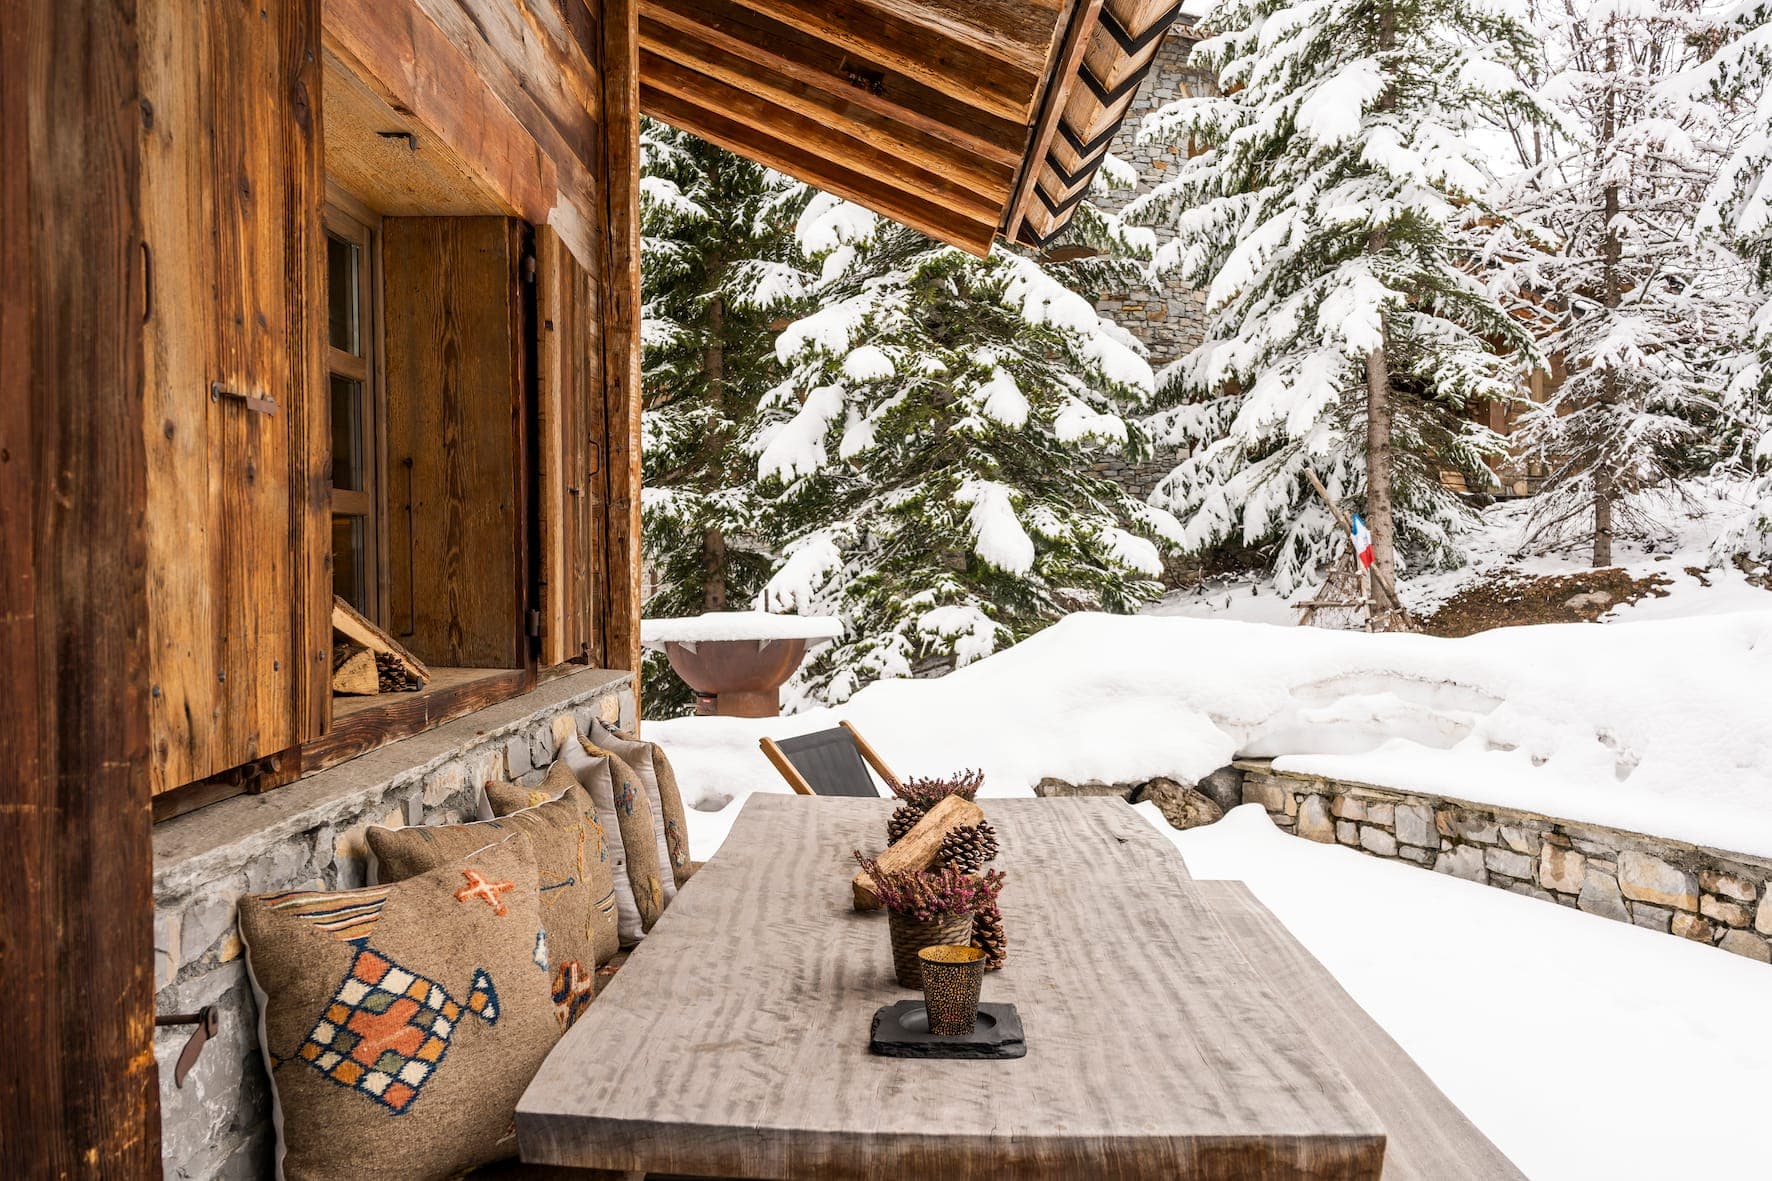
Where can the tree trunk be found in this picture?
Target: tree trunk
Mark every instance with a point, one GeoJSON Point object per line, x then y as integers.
{"type": "Point", "coordinates": [1605, 483]}
{"type": "Point", "coordinates": [713, 541]}
{"type": "Point", "coordinates": [1379, 517]}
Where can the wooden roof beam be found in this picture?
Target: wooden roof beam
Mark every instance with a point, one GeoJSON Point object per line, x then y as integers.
{"type": "Point", "coordinates": [815, 63]}
{"type": "Point", "coordinates": [939, 157]}
{"type": "Point", "coordinates": [995, 74]}
{"type": "Point", "coordinates": [858, 154]}
{"type": "Point", "coordinates": [819, 168]}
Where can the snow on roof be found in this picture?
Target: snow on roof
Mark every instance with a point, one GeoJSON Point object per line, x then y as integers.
{"type": "Point", "coordinates": [739, 625]}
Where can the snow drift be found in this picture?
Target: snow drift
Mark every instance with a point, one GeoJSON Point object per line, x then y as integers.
{"type": "Point", "coordinates": [1661, 727]}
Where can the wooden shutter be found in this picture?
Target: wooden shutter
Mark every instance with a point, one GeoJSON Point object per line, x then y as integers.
{"type": "Point", "coordinates": [235, 424]}
{"type": "Point", "coordinates": [570, 350]}
{"type": "Point", "coordinates": [456, 418]}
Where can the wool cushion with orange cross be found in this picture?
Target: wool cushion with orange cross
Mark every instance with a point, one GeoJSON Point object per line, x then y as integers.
{"type": "Point", "coordinates": [573, 857]}
{"type": "Point", "coordinates": [400, 1023]}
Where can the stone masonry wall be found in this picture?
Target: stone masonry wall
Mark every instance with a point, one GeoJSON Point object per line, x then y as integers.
{"type": "Point", "coordinates": [309, 835]}
{"type": "Point", "coordinates": [1170, 320]}
{"type": "Point", "coordinates": [1705, 895]}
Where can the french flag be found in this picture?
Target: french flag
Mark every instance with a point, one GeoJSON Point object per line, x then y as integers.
{"type": "Point", "coordinates": [1362, 541]}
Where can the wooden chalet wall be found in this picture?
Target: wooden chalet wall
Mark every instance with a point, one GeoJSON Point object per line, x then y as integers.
{"type": "Point", "coordinates": [537, 101]}
{"type": "Point", "coordinates": [76, 942]}
{"type": "Point", "coordinates": [540, 100]}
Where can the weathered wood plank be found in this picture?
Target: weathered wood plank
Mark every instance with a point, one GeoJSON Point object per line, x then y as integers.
{"type": "Point", "coordinates": [400, 52]}
{"type": "Point", "coordinates": [1061, 78]}
{"type": "Point", "coordinates": [454, 424]}
{"type": "Point", "coordinates": [823, 137]}
{"type": "Point", "coordinates": [962, 230]}
{"type": "Point", "coordinates": [570, 356]}
{"type": "Point", "coordinates": [235, 496]}
{"type": "Point", "coordinates": [1154, 1048]}
{"type": "Point", "coordinates": [76, 943]}
{"type": "Point", "coordinates": [402, 715]}
{"type": "Point", "coordinates": [987, 54]}
{"type": "Point", "coordinates": [792, 54]}
{"type": "Point", "coordinates": [934, 155]}
{"type": "Point", "coordinates": [620, 301]}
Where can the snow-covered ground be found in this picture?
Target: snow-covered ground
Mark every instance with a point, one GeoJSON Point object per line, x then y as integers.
{"type": "Point", "coordinates": [1658, 726]}
{"type": "Point", "coordinates": [1498, 542]}
{"type": "Point", "coordinates": [1583, 1048]}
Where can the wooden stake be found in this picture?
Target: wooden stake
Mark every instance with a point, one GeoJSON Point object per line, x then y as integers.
{"type": "Point", "coordinates": [918, 848]}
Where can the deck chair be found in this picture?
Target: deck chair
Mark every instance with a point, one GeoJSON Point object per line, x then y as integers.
{"type": "Point", "coordinates": [829, 763]}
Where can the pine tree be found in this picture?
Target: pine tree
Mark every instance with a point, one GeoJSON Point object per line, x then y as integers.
{"type": "Point", "coordinates": [932, 444]}
{"type": "Point", "coordinates": [1740, 212]}
{"type": "Point", "coordinates": [720, 266]}
{"type": "Point", "coordinates": [1634, 306]}
{"type": "Point", "coordinates": [1321, 212]}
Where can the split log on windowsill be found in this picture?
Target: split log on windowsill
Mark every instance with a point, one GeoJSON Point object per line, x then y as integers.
{"type": "Point", "coordinates": [918, 848]}
{"type": "Point", "coordinates": [357, 674]}
{"type": "Point", "coordinates": [351, 624]}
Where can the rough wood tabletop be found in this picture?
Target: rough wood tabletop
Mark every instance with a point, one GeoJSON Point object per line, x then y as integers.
{"type": "Point", "coordinates": [734, 1042]}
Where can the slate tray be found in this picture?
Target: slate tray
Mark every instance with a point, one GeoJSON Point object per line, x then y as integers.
{"type": "Point", "coordinates": [901, 1030]}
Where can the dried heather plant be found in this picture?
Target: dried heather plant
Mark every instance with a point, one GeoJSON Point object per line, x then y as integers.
{"type": "Point", "coordinates": [926, 895]}
{"type": "Point", "coordinates": [923, 794]}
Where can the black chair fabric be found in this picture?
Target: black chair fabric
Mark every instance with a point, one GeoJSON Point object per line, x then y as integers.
{"type": "Point", "coordinates": [831, 763]}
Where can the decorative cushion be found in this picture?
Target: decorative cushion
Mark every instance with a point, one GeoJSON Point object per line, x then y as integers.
{"type": "Point", "coordinates": [649, 762]}
{"type": "Point", "coordinates": [400, 1023]}
{"type": "Point", "coordinates": [622, 809]}
{"type": "Point", "coordinates": [577, 887]}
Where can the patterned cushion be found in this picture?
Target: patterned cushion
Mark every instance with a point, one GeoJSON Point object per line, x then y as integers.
{"type": "Point", "coordinates": [622, 809]}
{"type": "Point", "coordinates": [400, 1023]}
{"type": "Point", "coordinates": [649, 762]}
{"type": "Point", "coordinates": [572, 858]}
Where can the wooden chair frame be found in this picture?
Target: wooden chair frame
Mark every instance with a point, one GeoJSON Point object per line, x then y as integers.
{"type": "Point", "coordinates": [798, 782]}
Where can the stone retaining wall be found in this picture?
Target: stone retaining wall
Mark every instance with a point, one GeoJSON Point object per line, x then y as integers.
{"type": "Point", "coordinates": [1706, 895]}
{"type": "Point", "coordinates": [309, 834]}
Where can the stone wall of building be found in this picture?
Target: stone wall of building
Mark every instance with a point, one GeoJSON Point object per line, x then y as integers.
{"type": "Point", "coordinates": [1170, 319]}
{"type": "Point", "coordinates": [1705, 895]}
{"type": "Point", "coordinates": [309, 835]}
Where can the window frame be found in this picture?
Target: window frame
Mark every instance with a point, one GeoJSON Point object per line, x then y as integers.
{"type": "Point", "coordinates": [347, 219]}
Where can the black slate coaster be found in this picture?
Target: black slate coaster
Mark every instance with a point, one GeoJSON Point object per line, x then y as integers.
{"type": "Point", "coordinates": [901, 1030]}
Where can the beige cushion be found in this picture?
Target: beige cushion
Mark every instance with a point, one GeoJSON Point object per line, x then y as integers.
{"type": "Point", "coordinates": [577, 887]}
{"type": "Point", "coordinates": [622, 809]}
{"type": "Point", "coordinates": [400, 1023]}
{"type": "Point", "coordinates": [649, 762]}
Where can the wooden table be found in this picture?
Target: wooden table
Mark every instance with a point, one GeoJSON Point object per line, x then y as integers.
{"type": "Point", "coordinates": [734, 1042]}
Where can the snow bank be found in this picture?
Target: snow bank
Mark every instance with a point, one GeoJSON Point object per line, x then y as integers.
{"type": "Point", "coordinates": [739, 625]}
{"type": "Point", "coordinates": [1582, 1048]}
{"type": "Point", "coordinates": [1659, 727]}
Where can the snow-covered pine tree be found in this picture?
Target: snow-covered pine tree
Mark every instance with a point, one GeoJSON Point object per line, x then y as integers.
{"type": "Point", "coordinates": [720, 266]}
{"type": "Point", "coordinates": [932, 442]}
{"type": "Point", "coordinates": [1320, 212]}
{"type": "Point", "coordinates": [1635, 308]}
{"type": "Point", "coordinates": [1740, 211]}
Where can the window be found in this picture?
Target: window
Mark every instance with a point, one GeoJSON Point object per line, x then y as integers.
{"type": "Point", "coordinates": [354, 392]}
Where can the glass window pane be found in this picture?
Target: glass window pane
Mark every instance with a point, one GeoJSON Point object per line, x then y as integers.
{"type": "Point", "coordinates": [341, 295]}
{"type": "Point", "coordinates": [350, 442]}
{"type": "Point", "coordinates": [350, 561]}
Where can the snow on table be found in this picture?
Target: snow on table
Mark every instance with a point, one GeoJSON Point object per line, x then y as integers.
{"type": "Point", "coordinates": [716, 626]}
{"type": "Point", "coordinates": [1658, 727]}
{"type": "Point", "coordinates": [1582, 1047]}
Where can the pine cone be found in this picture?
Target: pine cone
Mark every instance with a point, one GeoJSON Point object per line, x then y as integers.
{"type": "Point", "coordinates": [969, 847]}
{"type": "Point", "coordinates": [987, 934]}
{"type": "Point", "coordinates": [904, 818]}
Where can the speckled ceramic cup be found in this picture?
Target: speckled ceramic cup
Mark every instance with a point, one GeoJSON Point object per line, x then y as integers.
{"type": "Point", "coordinates": [951, 978]}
